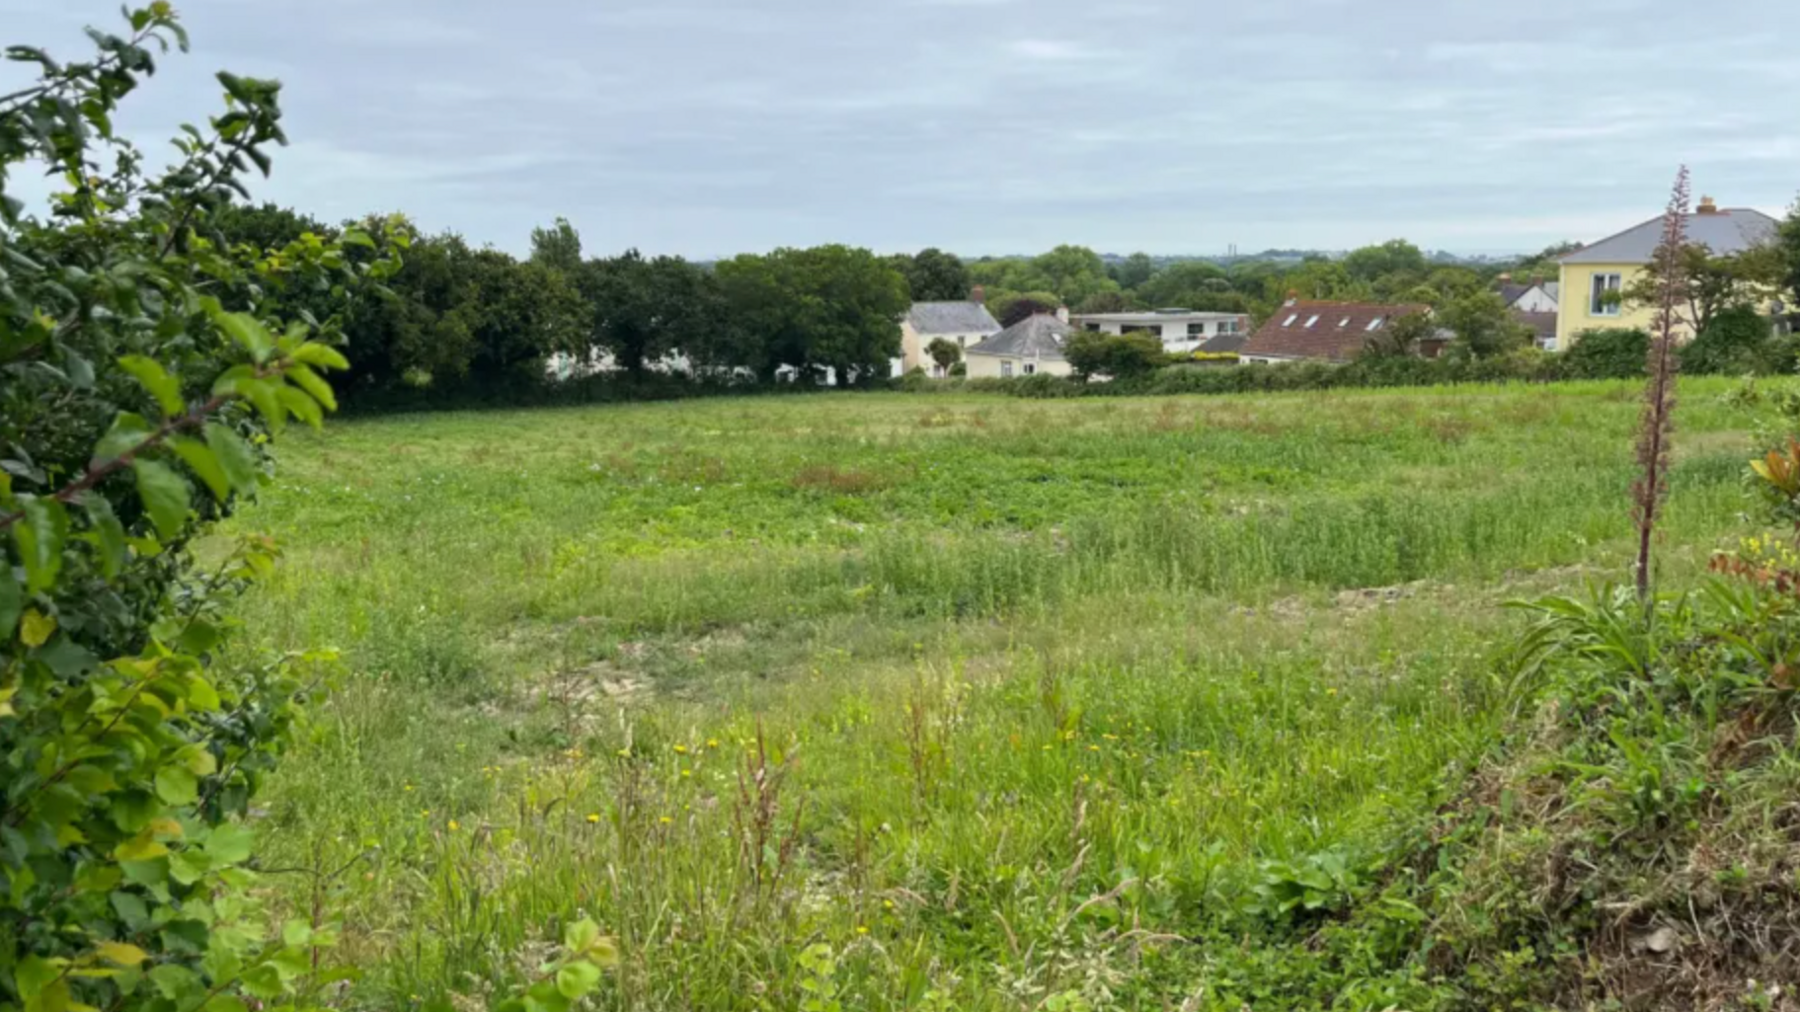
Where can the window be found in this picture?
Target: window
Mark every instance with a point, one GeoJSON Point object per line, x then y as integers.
{"type": "Point", "coordinates": [1196, 330]}
{"type": "Point", "coordinates": [1006, 368]}
{"type": "Point", "coordinates": [1228, 326]}
{"type": "Point", "coordinates": [1599, 302]}
{"type": "Point", "coordinates": [1312, 320]}
{"type": "Point", "coordinates": [1345, 322]}
{"type": "Point", "coordinates": [1030, 368]}
{"type": "Point", "coordinates": [1376, 323]}
{"type": "Point", "coordinates": [1092, 328]}
{"type": "Point", "coordinates": [1153, 329]}
{"type": "Point", "coordinates": [1289, 322]}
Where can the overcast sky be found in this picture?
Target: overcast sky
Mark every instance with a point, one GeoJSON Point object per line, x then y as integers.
{"type": "Point", "coordinates": [710, 127]}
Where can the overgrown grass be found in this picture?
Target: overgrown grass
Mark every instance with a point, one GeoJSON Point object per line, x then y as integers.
{"type": "Point", "coordinates": [1005, 702]}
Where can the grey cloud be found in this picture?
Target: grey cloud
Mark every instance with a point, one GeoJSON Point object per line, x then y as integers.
{"type": "Point", "coordinates": [708, 127]}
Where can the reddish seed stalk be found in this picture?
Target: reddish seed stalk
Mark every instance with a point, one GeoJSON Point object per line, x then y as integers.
{"type": "Point", "coordinates": [1658, 423]}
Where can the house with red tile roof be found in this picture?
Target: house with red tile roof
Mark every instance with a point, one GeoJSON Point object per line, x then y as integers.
{"type": "Point", "coordinates": [1327, 331]}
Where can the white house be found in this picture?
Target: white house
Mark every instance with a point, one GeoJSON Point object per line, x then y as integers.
{"type": "Point", "coordinates": [1536, 297]}
{"type": "Point", "coordinates": [1180, 330]}
{"type": "Point", "coordinates": [964, 323]}
{"type": "Point", "coordinates": [1033, 345]}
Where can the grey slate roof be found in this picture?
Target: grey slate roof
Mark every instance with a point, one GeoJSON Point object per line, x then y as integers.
{"type": "Point", "coordinates": [1039, 336]}
{"type": "Point", "coordinates": [1554, 290]}
{"type": "Point", "coordinates": [952, 318]}
{"type": "Point", "coordinates": [1510, 294]}
{"type": "Point", "coordinates": [1729, 230]}
{"type": "Point", "coordinates": [1543, 325]}
{"type": "Point", "coordinates": [1226, 342]}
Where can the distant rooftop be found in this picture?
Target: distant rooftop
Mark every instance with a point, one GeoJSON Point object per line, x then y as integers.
{"type": "Point", "coordinates": [1723, 230]}
{"type": "Point", "coordinates": [952, 318]}
{"type": "Point", "coordinates": [1154, 315]}
{"type": "Point", "coordinates": [1040, 336]}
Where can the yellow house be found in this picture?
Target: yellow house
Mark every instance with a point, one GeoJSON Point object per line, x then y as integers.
{"type": "Point", "coordinates": [1610, 265]}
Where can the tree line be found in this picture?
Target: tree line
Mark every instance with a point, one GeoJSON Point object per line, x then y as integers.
{"type": "Point", "coordinates": [457, 318]}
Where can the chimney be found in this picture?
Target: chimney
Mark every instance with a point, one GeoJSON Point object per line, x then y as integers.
{"type": "Point", "coordinates": [1506, 279]}
{"type": "Point", "coordinates": [978, 295]}
{"type": "Point", "coordinates": [1293, 297]}
{"type": "Point", "coordinates": [1707, 206]}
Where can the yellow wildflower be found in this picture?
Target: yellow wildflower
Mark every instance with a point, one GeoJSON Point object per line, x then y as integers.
{"type": "Point", "coordinates": [712, 743]}
{"type": "Point", "coordinates": [665, 820]}
{"type": "Point", "coordinates": [453, 826]}
{"type": "Point", "coordinates": [681, 750]}
{"type": "Point", "coordinates": [593, 817]}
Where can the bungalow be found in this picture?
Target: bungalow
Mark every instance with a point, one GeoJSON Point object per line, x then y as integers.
{"type": "Point", "coordinates": [1180, 330]}
{"type": "Point", "coordinates": [963, 323]}
{"type": "Point", "coordinates": [1328, 331]}
{"type": "Point", "coordinates": [1031, 346]}
{"type": "Point", "coordinates": [1593, 274]}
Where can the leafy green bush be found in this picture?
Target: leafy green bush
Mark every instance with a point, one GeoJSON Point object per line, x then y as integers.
{"type": "Point", "coordinates": [1119, 356]}
{"type": "Point", "coordinates": [1736, 340]}
{"type": "Point", "coordinates": [1611, 353]}
{"type": "Point", "coordinates": [144, 367]}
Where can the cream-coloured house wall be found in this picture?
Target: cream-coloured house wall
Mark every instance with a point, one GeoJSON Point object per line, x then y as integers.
{"type": "Point", "coordinates": [990, 365]}
{"type": "Point", "coordinates": [913, 345]}
{"type": "Point", "coordinates": [1575, 314]}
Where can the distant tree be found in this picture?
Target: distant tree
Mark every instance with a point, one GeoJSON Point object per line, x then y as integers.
{"type": "Point", "coordinates": [1483, 326]}
{"type": "Point", "coordinates": [1713, 283]}
{"type": "Point", "coordinates": [830, 307]}
{"type": "Point", "coordinates": [1106, 302]}
{"type": "Point", "coordinates": [1183, 284]}
{"type": "Point", "coordinates": [1402, 337]}
{"type": "Point", "coordinates": [1787, 257]}
{"type": "Point", "coordinates": [944, 352]}
{"type": "Point", "coordinates": [519, 314]}
{"type": "Point", "coordinates": [265, 226]}
{"type": "Point", "coordinates": [1392, 257]}
{"type": "Point", "coordinates": [642, 311]}
{"type": "Point", "coordinates": [418, 331]}
{"type": "Point", "coordinates": [1318, 279]}
{"type": "Point", "coordinates": [558, 246]}
{"type": "Point", "coordinates": [1074, 273]}
{"type": "Point", "coordinates": [1134, 270]}
{"type": "Point", "coordinates": [1091, 354]}
{"type": "Point", "coordinates": [1011, 307]}
{"type": "Point", "coordinates": [934, 276]}
{"type": "Point", "coordinates": [1545, 264]}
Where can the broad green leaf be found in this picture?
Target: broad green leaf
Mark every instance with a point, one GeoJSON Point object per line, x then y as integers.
{"type": "Point", "coordinates": [320, 356]}
{"type": "Point", "coordinates": [165, 496]}
{"type": "Point", "coordinates": [142, 847]}
{"type": "Point", "coordinates": [249, 332]}
{"type": "Point", "coordinates": [311, 382]}
{"type": "Point", "coordinates": [225, 1003]}
{"type": "Point", "coordinates": [122, 953]}
{"type": "Point", "coordinates": [188, 866]}
{"type": "Point", "coordinates": [165, 388]}
{"type": "Point", "coordinates": [35, 629]}
{"type": "Point", "coordinates": [235, 457]}
{"type": "Point", "coordinates": [33, 974]}
{"type": "Point", "coordinates": [577, 979]}
{"type": "Point", "coordinates": [579, 935]}
{"type": "Point", "coordinates": [107, 533]}
{"type": "Point", "coordinates": [12, 600]}
{"type": "Point", "coordinates": [131, 909]}
{"type": "Point", "coordinates": [176, 981]}
{"type": "Point", "coordinates": [127, 433]}
{"type": "Point", "coordinates": [264, 981]}
{"type": "Point", "coordinates": [304, 408]}
{"type": "Point", "coordinates": [230, 843]}
{"type": "Point", "coordinates": [40, 536]}
{"type": "Point", "coordinates": [200, 459]}
{"type": "Point", "coordinates": [177, 785]}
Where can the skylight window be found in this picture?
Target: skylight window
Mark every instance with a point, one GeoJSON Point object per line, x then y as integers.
{"type": "Point", "coordinates": [1376, 323]}
{"type": "Point", "coordinates": [1345, 322]}
{"type": "Point", "coordinates": [1289, 322]}
{"type": "Point", "coordinates": [1312, 320]}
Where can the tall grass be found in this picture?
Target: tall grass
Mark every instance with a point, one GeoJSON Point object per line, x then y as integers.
{"type": "Point", "coordinates": [1004, 702]}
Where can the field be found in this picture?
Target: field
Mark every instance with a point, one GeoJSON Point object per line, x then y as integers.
{"type": "Point", "coordinates": [883, 701]}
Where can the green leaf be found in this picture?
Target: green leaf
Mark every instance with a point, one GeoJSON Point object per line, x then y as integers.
{"type": "Point", "coordinates": [577, 979]}
{"type": "Point", "coordinates": [165, 496]}
{"type": "Point", "coordinates": [200, 459]}
{"type": "Point", "coordinates": [225, 1003]}
{"type": "Point", "coordinates": [177, 785]}
{"type": "Point", "coordinates": [122, 953]}
{"type": "Point", "coordinates": [175, 981]}
{"type": "Point", "coordinates": [39, 537]}
{"type": "Point", "coordinates": [264, 981]}
{"type": "Point", "coordinates": [304, 408]}
{"type": "Point", "coordinates": [108, 534]}
{"type": "Point", "coordinates": [235, 457]}
{"type": "Point", "coordinates": [579, 935]}
{"type": "Point", "coordinates": [12, 601]}
{"type": "Point", "coordinates": [165, 388]}
{"type": "Point", "coordinates": [131, 909]}
{"type": "Point", "coordinates": [127, 433]}
{"type": "Point", "coordinates": [188, 866]}
{"type": "Point", "coordinates": [230, 843]}
{"type": "Point", "coordinates": [249, 332]}
{"type": "Point", "coordinates": [303, 376]}
{"type": "Point", "coordinates": [33, 974]}
{"type": "Point", "coordinates": [321, 356]}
